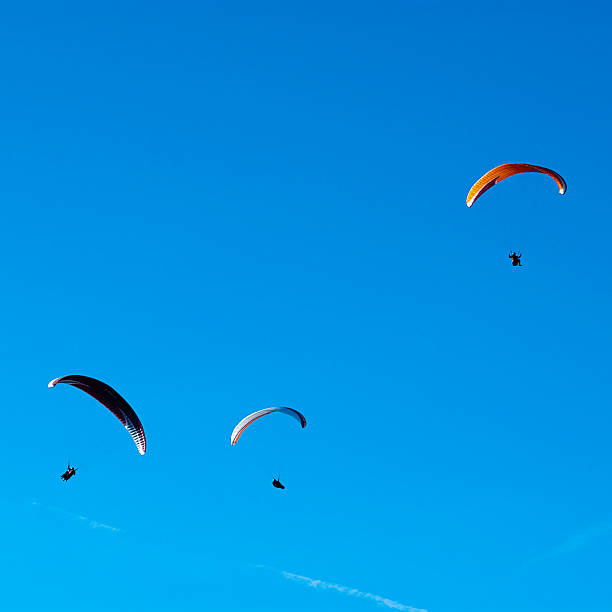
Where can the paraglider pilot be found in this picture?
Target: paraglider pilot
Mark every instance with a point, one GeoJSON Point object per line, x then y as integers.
{"type": "Point", "coordinates": [516, 258]}
{"type": "Point", "coordinates": [277, 483]}
{"type": "Point", "coordinates": [69, 473]}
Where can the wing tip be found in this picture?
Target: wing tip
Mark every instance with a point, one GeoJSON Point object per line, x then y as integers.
{"type": "Point", "coordinates": [52, 383]}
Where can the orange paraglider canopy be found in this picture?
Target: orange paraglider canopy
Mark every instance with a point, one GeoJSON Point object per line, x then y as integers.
{"type": "Point", "coordinates": [492, 177]}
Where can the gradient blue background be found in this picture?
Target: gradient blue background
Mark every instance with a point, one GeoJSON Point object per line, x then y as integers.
{"type": "Point", "coordinates": [220, 206]}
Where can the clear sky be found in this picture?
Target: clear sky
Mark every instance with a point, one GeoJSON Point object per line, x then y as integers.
{"type": "Point", "coordinates": [217, 207]}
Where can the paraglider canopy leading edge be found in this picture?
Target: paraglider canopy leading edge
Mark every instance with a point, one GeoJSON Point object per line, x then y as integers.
{"type": "Point", "coordinates": [498, 174]}
{"type": "Point", "coordinates": [257, 415]}
{"type": "Point", "coordinates": [108, 397]}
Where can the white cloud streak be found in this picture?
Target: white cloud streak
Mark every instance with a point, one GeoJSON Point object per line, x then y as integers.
{"type": "Point", "coordinates": [79, 517]}
{"type": "Point", "coordinates": [576, 541]}
{"type": "Point", "coordinates": [321, 584]}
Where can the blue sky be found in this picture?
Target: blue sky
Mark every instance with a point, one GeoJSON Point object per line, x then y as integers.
{"type": "Point", "coordinates": [218, 207]}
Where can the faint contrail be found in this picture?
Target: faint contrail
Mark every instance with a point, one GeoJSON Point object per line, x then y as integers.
{"type": "Point", "coordinates": [321, 584]}
{"type": "Point", "coordinates": [79, 517]}
{"type": "Point", "coordinates": [575, 541]}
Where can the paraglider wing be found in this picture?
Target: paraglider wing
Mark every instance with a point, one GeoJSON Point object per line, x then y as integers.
{"type": "Point", "coordinates": [257, 415]}
{"type": "Point", "coordinates": [112, 400]}
{"type": "Point", "coordinates": [492, 177]}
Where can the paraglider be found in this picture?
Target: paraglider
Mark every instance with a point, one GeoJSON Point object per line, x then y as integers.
{"type": "Point", "coordinates": [516, 258]}
{"type": "Point", "coordinates": [277, 483]}
{"type": "Point", "coordinates": [108, 397]}
{"type": "Point", "coordinates": [251, 418]}
{"type": "Point", "coordinates": [69, 473]}
{"type": "Point", "coordinates": [257, 415]}
{"type": "Point", "coordinates": [498, 174]}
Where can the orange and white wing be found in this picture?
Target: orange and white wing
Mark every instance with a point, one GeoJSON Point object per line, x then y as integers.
{"type": "Point", "coordinates": [498, 174]}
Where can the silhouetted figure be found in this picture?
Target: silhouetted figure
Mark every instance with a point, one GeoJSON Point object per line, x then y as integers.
{"type": "Point", "coordinates": [69, 473]}
{"type": "Point", "coordinates": [277, 483]}
{"type": "Point", "coordinates": [516, 258]}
